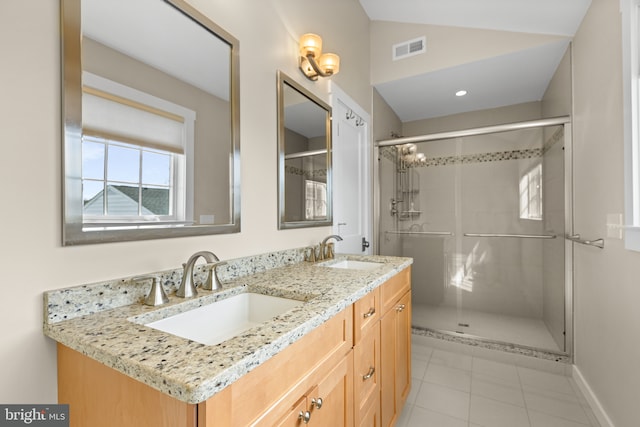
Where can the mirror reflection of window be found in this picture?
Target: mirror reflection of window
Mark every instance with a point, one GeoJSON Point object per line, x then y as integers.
{"type": "Point", "coordinates": [304, 136]}
{"type": "Point", "coordinates": [134, 150]}
{"type": "Point", "coordinates": [316, 200]}
{"type": "Point", "coordinates": [123, 181]}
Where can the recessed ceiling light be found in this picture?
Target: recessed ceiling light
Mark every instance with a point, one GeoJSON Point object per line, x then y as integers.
{"type": "Point", "coordinates": [461, 93]}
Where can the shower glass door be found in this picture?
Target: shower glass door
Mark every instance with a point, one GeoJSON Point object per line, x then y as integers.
{"type": "Point", "coordinates": [484, 219]}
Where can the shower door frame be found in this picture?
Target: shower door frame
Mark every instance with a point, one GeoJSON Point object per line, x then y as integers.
{"type": "Point", "coordinates": [564, 121]}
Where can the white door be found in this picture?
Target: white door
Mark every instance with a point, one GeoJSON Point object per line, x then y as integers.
{"type": "Point", "coordinates": [352, 210]}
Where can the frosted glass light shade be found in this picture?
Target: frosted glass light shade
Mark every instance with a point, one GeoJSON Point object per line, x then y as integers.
{"type": "Point", "coordinates": [329, 63]}
{"type": "Point", "coordinates": [310, 44]}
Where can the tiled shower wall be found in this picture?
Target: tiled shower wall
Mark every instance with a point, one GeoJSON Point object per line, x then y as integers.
{"type": "Point", "coordinates": [471, 185]}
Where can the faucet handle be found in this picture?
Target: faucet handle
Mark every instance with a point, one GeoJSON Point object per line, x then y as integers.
{"type": "Point", "coordinates": [330, 251]}
{"type": "Point", "coordinates": [310, 254]}
{"type": "Point", "coordinates": [213, 281]}
{"type": "Point", "coordinates": [157, 295]}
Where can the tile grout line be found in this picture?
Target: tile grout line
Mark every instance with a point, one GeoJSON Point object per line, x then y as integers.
{"type": "Point", "coordinates": [524, 398]}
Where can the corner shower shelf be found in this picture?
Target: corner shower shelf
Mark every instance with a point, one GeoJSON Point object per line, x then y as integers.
{"type": "Point", "coordinates": [404, 215]}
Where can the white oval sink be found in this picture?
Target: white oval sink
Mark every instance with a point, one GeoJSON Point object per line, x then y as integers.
{"type": "Point", "coordinates": [219, 321]}
{"type": "Point", "coordinates": [354, 265]}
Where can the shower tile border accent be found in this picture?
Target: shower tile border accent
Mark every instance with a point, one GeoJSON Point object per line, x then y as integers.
{"type": "Point", "coordinates": [389, 153]}
{"type": "Point", "coordinates": [293, 170]}
{"type": "Point", "coordinates": [553, 139]}
{"type": "Point", "coordinates": [491, 345]}
{"type": "Point", "coordinates": [498, 156]}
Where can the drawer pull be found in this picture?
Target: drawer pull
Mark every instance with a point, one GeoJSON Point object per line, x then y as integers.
{"type": "Point", "coordinates": [400, 308]}
{"type": "Point", "coordinates": [372, 371]}
{"type": "Point", "coordinates": [305, 416]}
{"type": "Point", "coordinates": [370, 313]}
{"type": "Point", "coordinates": [317, 402]}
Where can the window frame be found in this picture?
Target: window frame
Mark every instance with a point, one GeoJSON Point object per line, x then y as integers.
{"type": "Point", "coordinates": [630, 10]}
{"type": "Point", "coordinates": [176, 166]}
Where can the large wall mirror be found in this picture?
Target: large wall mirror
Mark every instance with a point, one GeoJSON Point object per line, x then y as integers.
{"type": "Point", "coordinates": [304, 157]}
{"type": "Point", "coordinates": [151, 122]}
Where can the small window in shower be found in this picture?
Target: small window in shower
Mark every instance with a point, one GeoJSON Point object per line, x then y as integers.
{"type": "Point", "coordinates": [315, 199]}
{"type": "Point", "coordinates": [531, 194]}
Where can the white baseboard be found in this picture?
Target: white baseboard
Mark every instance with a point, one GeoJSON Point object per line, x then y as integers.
{"type": "Point", "coordinates": [593, 401]}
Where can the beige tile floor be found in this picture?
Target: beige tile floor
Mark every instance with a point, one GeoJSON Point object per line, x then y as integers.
{"type": "Point", "coordinates": [451, 389]}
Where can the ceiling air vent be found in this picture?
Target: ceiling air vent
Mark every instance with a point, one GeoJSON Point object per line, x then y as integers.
{"type": "Point", "coordinates": [409, 48]}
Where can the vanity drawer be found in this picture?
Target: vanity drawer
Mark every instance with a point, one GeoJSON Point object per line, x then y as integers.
{"type": "Point", "coordinates": [394, 288]}
{"type": "Point", "coordinates": [366, 371]}
{"type": "Point", "coordinates": [366, 312]}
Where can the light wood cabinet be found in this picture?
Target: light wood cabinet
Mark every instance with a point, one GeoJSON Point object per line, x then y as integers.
{"type": "Point", "coordinates": [99, 396]}
{"type": "Point", "coordinates": [395, 354]}
{"type": "Point", "coordinates": [366, 350]}
{"type": "Point", "coordinates": [358, 363]}
{"type": "Point", "coordinates": [267, 395]}
{"type": "Point", "coordinates": [327, 404]}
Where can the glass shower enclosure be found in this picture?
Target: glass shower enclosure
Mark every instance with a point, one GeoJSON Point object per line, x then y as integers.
{"type": "Point", "coordinates": [484, 217]}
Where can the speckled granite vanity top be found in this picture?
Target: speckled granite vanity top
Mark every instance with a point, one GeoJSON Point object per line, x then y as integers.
{"type": "Point", "coordinates": [105, 320]}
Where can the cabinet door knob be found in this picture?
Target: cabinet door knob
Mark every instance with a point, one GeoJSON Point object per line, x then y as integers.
{"type": "Point", "coordinates": [370, 313]}
{"type": "Point", "coordinates": [372, 371]}
{"type": "Point", "coordinates": [305, 416]}
{"type": "Point", "coordinates": [317, 402]}
{"type": "Point", "coordinates": [400, 308]}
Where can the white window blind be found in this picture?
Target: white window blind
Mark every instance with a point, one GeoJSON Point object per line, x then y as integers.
{"type": "Point", "coordinates": [113, 117]}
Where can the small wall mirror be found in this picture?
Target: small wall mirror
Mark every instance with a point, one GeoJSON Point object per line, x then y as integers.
{"type": "Point", "coordinates": [151, 122]}
{"type": "Point", "coordinates": [304, 157]}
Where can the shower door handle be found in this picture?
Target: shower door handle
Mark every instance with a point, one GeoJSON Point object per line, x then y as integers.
{"type": "Point", "coordinates": [598, 243]}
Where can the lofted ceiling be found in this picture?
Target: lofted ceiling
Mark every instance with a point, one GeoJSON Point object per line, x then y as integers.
{"type": "Point", "coordinates": [188, 52]}
{"type": "Point", "coordinates": [506, 79]}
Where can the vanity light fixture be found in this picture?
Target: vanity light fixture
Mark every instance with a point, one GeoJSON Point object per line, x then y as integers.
{"type": "Point", "coordinates": [312, 62]}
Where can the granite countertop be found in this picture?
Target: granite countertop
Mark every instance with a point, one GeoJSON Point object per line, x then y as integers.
{"type": "Point", "coordinates": [193, 372]}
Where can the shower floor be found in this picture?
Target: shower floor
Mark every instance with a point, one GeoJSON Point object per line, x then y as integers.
{"type": "Point", "coordinates": [509, 329]}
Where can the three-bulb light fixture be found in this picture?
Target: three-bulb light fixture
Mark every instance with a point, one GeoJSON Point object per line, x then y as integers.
{"type": "Point", "coordinates": [313, 62]}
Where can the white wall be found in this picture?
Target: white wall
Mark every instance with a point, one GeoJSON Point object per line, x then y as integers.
{"type": "Point", "coordinates": [607, 284]}
{"type": "Point", "coordinates": [33, 259]}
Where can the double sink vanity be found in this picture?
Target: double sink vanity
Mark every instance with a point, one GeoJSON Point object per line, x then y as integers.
{"type": "Point", "coordinates": [284, 342]}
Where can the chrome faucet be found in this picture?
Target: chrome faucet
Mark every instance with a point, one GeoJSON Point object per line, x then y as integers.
{"type": "Point", "coordinates": [323, 247]}
{"type": "Point", "coordinates": [187, 287]}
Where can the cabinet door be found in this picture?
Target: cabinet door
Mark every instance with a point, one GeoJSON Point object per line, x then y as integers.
{"type": "Point", "coordinates": [395, 359]}
{"type": "Point", "coordinates": [370, 416]}
{"type": "Point", "coordinates": [388, 368]}
{"type": "Point", "coordinates": [296, 417]}
{"type": "Point", "coordinates": [403, 350]}
{"type": "Point", "coordinates": [331, 402]}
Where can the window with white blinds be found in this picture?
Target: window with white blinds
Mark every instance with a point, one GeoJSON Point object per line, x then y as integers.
{"type": "Point", "coordinates": [135, 152]}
